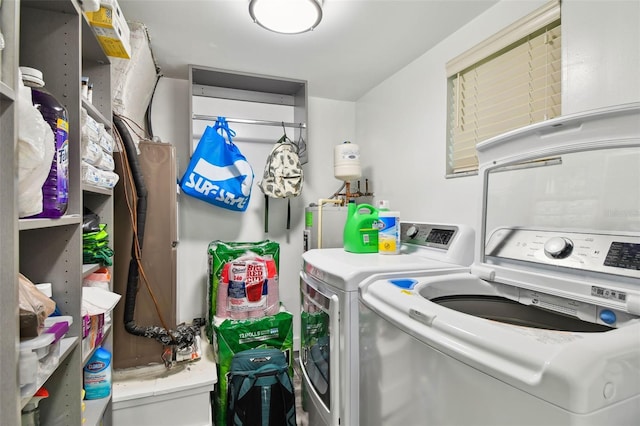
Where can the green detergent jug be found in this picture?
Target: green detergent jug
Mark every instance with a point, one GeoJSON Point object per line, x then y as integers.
{"type": "Point", "coordinates": [360, 229]}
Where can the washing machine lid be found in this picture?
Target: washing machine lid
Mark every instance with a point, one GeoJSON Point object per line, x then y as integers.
{"type": "Point", "coordinates": [560, 210]}
{"type": "Point", "coordinates": [564, 362]}
{"type": "Point", "coordinates": [344, 270]}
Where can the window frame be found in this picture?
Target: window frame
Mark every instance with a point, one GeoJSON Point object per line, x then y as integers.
{"type": "Point", "coordinates": [490, 49]}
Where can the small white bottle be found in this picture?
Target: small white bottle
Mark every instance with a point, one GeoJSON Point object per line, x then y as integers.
{"type": "Point", "coordinates": [388, 229]}
{"type": "Point", "coordinates": [90, 93]}
{"type": "Point", "coordinates": [84, 87]}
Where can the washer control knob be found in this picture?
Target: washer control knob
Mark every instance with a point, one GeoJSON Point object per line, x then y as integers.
{"type": "Point", "coordinates": [558, 247]}
{"type": "Point", "coordinates": [412, 231]}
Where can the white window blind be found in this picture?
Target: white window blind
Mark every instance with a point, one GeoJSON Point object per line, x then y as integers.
{"type": "Point", "coordinates": [509, 81]}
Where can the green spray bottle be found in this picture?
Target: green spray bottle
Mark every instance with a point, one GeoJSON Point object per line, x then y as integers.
{"type": "Point", "coordinates": [360, 229]}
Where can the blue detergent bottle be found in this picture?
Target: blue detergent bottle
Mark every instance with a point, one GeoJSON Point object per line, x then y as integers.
{"type": "Point", "coordinates": [55, 191]}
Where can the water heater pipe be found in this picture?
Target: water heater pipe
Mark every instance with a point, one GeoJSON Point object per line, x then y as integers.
{"type": "Point", "coordinates": [322, 201]}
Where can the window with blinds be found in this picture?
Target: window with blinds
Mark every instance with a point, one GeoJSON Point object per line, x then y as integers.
{"type": "Point", "coordinates": [509, 81]}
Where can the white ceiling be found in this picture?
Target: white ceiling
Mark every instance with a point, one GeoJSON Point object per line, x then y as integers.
{"type": "Point", "coordinates": [357, 45]}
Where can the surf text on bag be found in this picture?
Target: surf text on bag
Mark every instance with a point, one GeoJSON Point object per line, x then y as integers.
{"type": "Point", "coordinates": [211, 190]}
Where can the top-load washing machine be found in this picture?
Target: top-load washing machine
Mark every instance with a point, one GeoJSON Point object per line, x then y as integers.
{"type": "Point", "coordinates": [329, 310]}
{"type": "Point", "coordinates": [545, 328]}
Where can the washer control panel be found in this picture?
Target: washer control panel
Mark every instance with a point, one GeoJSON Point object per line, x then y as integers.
{"type": "Point", "coordinates": [427, 234]}
{"type": "Point", "coordinates": [611, 254]}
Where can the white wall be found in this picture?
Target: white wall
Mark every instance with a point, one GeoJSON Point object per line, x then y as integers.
{"type": "Point", "coordinates": [601, 53]}
{"type": "Point", "coordinates": [330, 122]}
{"type": "Point", "coordinates": [400, 126]}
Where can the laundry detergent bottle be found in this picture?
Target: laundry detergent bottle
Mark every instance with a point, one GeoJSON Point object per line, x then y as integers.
{"type": "Point", "coordinates": [360, 229]}
{"type": "Point", "coordinates": [55, 191]}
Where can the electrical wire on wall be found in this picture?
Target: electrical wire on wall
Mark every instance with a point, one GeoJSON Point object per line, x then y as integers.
{"type": "Point", "coordinates": [159, 75]}
{"type": "Point", "coordinates": [184, 335]}
{"type": "Point", "coordinates": [147, 115]}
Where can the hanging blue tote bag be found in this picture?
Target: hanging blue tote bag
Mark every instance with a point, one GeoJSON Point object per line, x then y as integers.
{"type": "Point", "coordinates": [218, 173]}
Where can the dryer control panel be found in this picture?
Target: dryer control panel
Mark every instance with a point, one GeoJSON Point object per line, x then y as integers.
{"type": "Point", "coordinates": [427, 234]}
{"type": "Point", "coordinates": [610, 254]}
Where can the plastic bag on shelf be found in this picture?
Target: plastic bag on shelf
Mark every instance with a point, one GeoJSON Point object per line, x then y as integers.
{"type": "Point", "coordinates": [35, 153]}
{"type": "Point", "coordinates": [90, 221]}
{"type": "Point", "coordinates": [90, 129]}
{"type": "Point", "coordinates": [89, 174]}
{"type": "Point", "coordinates": [94, 176]}
{"type": "Point", "coordinates": [107, 178]}
{"type": "Point", "coordinates": [91, 152]}
{"type": "Point", "coordinates": [34, 307]}
{"type": "Point", "coordinates": [106, 162]}
{"type": "Point", "coordinates": [100, 278]}
{"type": "Point", "coordinates": [105, 139]}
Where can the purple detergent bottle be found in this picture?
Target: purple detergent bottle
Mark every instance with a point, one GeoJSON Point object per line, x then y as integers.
{"type": "Point", "coordinates": [55, 190]}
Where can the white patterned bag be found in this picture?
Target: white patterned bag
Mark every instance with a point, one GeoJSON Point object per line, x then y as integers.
{"type": "Point", "coordinates": [282, 177]}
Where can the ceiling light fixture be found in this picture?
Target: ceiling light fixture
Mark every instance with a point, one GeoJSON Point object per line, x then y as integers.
{"type": "Point", "coordinates": [286, 16]}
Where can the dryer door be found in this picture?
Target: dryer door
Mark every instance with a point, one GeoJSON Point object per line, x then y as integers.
{"type": "Point", "coordinates": [320, 350]}
{"type": "Point", "coordinates": [315, 335]}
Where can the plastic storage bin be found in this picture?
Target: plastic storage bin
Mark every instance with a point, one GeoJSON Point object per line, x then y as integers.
{"type": "Point", "coordinates": [39, 357]}
{"type": "Point", "coordinates": [47, 351]}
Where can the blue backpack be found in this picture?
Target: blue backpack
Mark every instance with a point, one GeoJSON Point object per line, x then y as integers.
{"type": "Point", "coordinates": [260, 391]}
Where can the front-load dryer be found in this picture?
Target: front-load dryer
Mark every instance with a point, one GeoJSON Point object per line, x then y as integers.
{"type": "Point", "coordinates": [330, 329]}
{"type": "Point", "coordinates": [544, 329]}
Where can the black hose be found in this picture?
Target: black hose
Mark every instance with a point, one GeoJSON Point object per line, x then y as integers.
{"type": "Point", "coordinates": [141, 215]}
{"type": "Point", "coordinates": [185, 334]}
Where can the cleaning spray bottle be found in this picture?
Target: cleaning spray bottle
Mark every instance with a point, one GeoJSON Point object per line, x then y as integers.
{"type": "Point", "coordinates": [360, 229]}
{"type": "Point", "coordinates": [97, 375]}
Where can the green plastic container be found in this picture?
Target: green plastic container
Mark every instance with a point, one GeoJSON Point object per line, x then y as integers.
{"type": "Point", "coordinates": [360, 230]}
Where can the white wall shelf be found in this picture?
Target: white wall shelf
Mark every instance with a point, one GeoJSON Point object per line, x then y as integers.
{"type": "Point", "coordinates": [285, 96]}
{"type": "Point", "coordinates": [26, 224]}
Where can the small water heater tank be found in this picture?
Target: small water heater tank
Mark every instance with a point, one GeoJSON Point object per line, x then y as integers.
{"type": "Point", "coordinates": [346, 161]}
